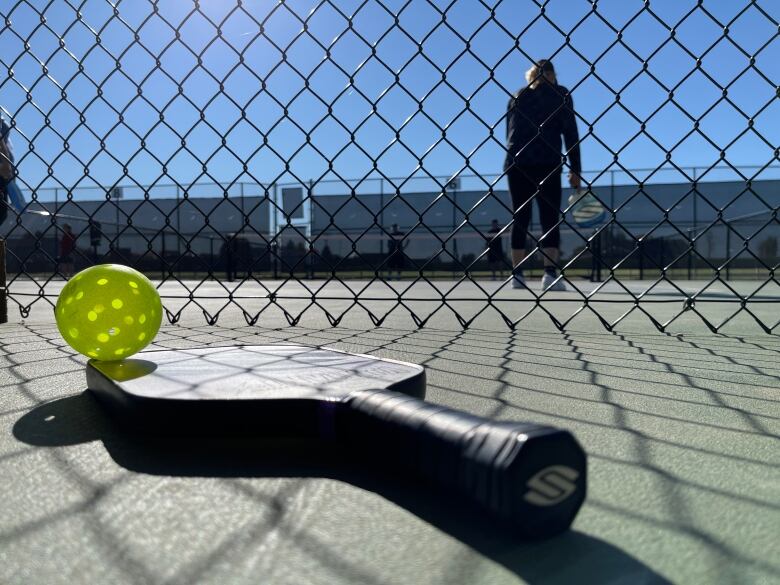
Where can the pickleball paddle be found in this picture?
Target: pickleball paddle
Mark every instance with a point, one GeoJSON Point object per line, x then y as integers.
{"type": "Point", "coordinates": [528, 475]}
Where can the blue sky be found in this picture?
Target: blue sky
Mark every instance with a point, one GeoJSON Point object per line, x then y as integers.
{"type": "Point", "coordinates": [140, 69]}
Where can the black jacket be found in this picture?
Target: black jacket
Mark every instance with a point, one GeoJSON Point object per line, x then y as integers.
{"type": "Point", "coordinates": [535, 121]}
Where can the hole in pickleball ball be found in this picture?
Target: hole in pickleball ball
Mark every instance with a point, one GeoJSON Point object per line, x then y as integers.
{"type": "Point", "coordinates": [102, 281]}
{"type": "Point", "coordinates": [73, 332]}
{"type": "Point", "coordinates": [142, 318]}
{"type": "Point", "coordinates": [119, 351]}
{"type": "Point", "coordinates": [49, 418]}
{"type": "Point", "coordinates": [92, 316]}
{"type": "Point", "coordinates": [141, 336]}
{"type": "Point", "coordinates": [98, 308]}
{"type": "Point", "coordinates": [79, 295]}
{"type": "Point", "coordinates": [113, 331]}
{"type": "Point", "coordinates": [133, 284]}
{"type": "Point", "coordinates": [102, 337]}
{"type": "Point", "coordinates": [128, 320]}
{"type": "Point", "coordinates": [92, 354]}
{"type": "Point", "coordinates": [117, 303]}
{"type": "Point", "coordinates": [69, 300]}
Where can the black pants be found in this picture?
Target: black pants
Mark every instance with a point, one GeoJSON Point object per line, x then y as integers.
{"type": "Point", "coordinates": [544, 185]}
{"type": "Point", "coordinates": [396, 261]}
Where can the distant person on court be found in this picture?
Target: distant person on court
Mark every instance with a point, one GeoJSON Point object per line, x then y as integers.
{"type": "Point", "coordinates": [495, 249]}
{"type": "Point", "coordinates": [67, 248]}
{"type": "Point", "coordinates": [538, 115]}
{"type": "Point", "coordinates": [10, 193]}
{"type": "Point", "coordinates": [7, 170]}
{"type": "Point", "coordinates": [395, 252]}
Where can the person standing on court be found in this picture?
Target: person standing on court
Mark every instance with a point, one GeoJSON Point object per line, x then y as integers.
{"type": "Point", "coordinates": [395, 252]}
{"type": "Point", "coordinates": [7, 170]}
{"type": "Point", "coordinates": [538, 115]}
{"type": "Point", "coordinates": [10, 193]}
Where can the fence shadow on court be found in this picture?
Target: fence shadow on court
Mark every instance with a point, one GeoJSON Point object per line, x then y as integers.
{"type": "Point", "coordinates": [587, 382]}
{"type": "Point", "coordinates": [78, 419]}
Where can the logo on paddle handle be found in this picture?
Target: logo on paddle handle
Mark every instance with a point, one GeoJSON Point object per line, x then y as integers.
{"type": "Point", "coordinates": [551, 485]}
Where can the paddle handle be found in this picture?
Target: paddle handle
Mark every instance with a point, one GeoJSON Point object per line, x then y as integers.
{"type": "Point", "coordinates": [530, 476]}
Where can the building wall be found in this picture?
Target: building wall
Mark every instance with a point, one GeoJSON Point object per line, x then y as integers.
{"type": "Point", "coordinates": [200, 226]}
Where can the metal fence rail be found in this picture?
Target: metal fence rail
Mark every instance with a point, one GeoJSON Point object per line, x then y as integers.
{"type": "Point", "coordinates": [301, 141]}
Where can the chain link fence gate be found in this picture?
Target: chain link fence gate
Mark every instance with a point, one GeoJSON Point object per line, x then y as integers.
{"type": "Point", "coordinates": [351, 152]}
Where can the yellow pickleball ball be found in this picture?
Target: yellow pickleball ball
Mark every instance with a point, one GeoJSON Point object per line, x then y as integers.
{"type": "Point", "coordinates": [108, 312]}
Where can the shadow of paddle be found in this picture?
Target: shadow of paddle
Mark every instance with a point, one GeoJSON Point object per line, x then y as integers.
{"type": "Point", "coordinates": [570, 557]}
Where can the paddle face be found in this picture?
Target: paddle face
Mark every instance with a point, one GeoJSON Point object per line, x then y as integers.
{"type": "Point", "coordinates": [258, 390]}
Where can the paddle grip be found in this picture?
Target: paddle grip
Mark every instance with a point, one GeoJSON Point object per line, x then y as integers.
{"type": "Point", "coordinates": [530, 476]}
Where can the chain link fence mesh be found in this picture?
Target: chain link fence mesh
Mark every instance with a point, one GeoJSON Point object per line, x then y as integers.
{"type": "Point", "coordinates": [345, 156]}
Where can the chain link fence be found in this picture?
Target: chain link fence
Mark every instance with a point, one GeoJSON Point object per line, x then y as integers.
{"type": "Point", "coordinates": [355, 152]}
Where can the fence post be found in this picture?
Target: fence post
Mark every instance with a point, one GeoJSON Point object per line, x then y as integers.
{"type": "Point", "coordinates": [308, 230]}
{"type": "Point", "coordinates": [611, 211]}
{"type": "Point", "coordinates": [641, 260]}
{"type": "Point", "coordinates": [275, 250]}
{"type": "Point", "coordinates": [456, 261]}
{"type": "Point", "coordinates": [3, 288]}
{"type": "Point", "coordinates": [115, 201]}
{"type": "Point", "coordinates": [178, 230]}
{"type": "Point", "coordinates": [381, 217]}
{"type": "Point", "coordinates": [692, 234]}
{"type": "Point", "coordinates": [162, 258]}
{"type": "Point", "coordinates": [728, 253]}
{"type": "Point", "coordinates": [56, 250]}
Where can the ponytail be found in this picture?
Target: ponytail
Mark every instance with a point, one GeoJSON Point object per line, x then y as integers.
{"type": "Point", "coordinates": [535, 75]}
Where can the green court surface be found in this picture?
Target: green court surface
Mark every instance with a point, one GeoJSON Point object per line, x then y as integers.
{"type": "Point", "coordinates": [681, 429]}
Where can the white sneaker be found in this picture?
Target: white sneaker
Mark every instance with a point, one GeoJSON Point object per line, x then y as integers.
{"type": "Point", "coordinates": [518, 281]}
{"type": "Point", "coordinates": [549, 283]}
